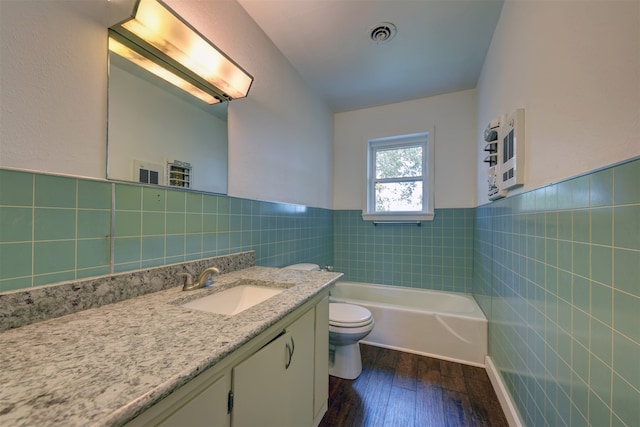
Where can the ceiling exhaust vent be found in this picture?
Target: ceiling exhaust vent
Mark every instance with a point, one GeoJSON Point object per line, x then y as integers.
{"type": "Point", "coordinates": [382, 32]}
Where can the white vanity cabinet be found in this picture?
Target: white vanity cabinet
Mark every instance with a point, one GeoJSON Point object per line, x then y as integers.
{"type": "Point", "coordinates": [274, 387]}
{"type": "Point", "coordinates": [206, 408]}
{"type": "Point", "coordinates": [279, 378]}
{"type": "Point", "coordinates": [201, 402]}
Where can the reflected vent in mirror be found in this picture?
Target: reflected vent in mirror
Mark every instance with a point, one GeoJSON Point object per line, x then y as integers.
{"type": "Point", "coordinates": [147, 173]}
{"type": "Point", "coordinates": [180, 174]}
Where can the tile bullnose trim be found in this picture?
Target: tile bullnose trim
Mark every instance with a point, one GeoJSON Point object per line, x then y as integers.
{"type": "Point", "coordinates": [26, 306]}
{"type": "Point", "coordinates": [504, 397]}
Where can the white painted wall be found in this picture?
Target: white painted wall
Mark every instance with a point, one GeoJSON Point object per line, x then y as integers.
{"type": "Point", "coordinates": [280, 136]}
{"type": "Point", "coordinates": [575, 68]}
{"type": "Point", "coordinates": [452, 115]}
{"type": "Point", "coordinates": [151, 124]}
{"type": "Point", "coordinates": [54, 99]}
{"type": "Point", "coordinates": [53, 86]}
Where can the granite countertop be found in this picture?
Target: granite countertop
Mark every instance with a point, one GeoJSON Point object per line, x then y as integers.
{"type": "Point", "coordinates": [104, 365]}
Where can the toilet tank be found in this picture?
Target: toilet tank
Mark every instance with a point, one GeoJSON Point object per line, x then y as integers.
{"type": "Point", "coordinates": [304, 267]}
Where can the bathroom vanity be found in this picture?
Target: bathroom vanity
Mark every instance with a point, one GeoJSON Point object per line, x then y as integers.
{"type": "Point", "coordinates": [150, 361]}
{"type": "Point", "coordinates": [277, 379]}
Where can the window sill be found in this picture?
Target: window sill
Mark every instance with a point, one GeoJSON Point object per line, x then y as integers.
{"type": "Point", "coordinates": [398, 217]}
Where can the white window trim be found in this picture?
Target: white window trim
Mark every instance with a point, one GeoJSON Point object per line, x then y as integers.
{"type": "Point", "coordinates": [427, 213]}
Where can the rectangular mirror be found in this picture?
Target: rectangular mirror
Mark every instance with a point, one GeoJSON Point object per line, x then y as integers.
{"type": "Point", "coordinates": [158, 134]}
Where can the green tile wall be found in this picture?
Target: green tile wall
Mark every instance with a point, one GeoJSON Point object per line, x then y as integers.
{"type": "Point", "coordinates": [557, 271]}
{"type": "Point", "coordinates": [156, 226]}
{"type": "Point", "coordinates": [55, 229]}
{"type": "Point", "coordinates": [52, 229]}
{"type": "Point", "coordinates": [436, 255]}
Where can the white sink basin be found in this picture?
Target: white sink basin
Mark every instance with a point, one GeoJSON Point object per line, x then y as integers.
{"type": "Point", "coordinates": [233, 300]}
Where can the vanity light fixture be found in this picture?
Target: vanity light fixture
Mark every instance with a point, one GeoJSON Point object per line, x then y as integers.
{"type": "Point", "coordinates": [156, 69]}
{"type": "Point", "coordinates": [159, 40]}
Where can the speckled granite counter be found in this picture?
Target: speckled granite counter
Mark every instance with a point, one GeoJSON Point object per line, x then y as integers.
{"type": "Point", "coordinates": [104, 365]}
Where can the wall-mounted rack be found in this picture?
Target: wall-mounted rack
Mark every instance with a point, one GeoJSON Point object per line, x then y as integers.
{"type": "Point", "coordinates": [492, 146]}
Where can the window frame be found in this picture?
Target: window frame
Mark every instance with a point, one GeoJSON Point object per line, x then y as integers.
{"type": "Point", "coordinates": [424, 139]}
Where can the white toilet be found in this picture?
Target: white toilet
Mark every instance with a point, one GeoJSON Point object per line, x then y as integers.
{"type": "Point", "coordinates": [348, 324]}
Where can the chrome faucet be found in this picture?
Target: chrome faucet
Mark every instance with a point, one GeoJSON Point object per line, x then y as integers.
{"type": "Point", "coordinates": [190, 284]}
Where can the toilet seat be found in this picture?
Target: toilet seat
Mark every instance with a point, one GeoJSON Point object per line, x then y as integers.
{"type": "Point", "coordinates": [348, 315]}
{"type": "Point", "coordinates": [350, 325]}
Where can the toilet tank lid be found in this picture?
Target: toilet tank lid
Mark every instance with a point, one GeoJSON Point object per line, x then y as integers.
{"type": "Point", "coordinates": [304, 267]}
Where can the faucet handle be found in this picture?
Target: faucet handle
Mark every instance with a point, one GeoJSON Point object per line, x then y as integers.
{"type": "Point", "coordinates": [188, 279]}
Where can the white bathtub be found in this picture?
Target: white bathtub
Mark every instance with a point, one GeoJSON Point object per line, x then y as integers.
{"type": "Point", "coordinates": [445, 325]}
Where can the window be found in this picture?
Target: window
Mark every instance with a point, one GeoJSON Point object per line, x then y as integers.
{"type": "Point", "coordinates": [400, 178]}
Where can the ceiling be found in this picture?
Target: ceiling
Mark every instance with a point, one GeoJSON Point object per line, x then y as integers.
{"type": "Point", "coordinates": [439, 46]}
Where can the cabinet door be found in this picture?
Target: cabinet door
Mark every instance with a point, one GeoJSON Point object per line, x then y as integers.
{"type": "Point", "coordinates": [208, 408]}
{"type": "Point", "coordinates": [321, 378]}
{"type": "Point", "coordinates": [260, 387]}
{"type": "Point", "coordinates": [300, 372]}
{"type": "Point", "coordinates": [274, 387]}
{"type": "Point", "coordinates": [200, 402]}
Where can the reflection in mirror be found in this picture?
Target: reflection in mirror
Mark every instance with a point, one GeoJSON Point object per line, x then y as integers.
{"type": "Point", "coordinates": [159, 134]}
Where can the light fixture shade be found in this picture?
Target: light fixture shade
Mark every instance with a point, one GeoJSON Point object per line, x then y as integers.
{"type": "Point", "coordinates": [157, 34]}
{"type": "Point", "coordinates": [121, 48]}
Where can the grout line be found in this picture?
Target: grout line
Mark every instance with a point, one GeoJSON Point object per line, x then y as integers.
{"type": "Point", "coordinates": [33, 229]}
{"type": "Point", "coordinates": [141, 211]}
{"type": "Point", "coordinates": [75, 258]}
{"type": "Point", "coordinates": [112, 231]}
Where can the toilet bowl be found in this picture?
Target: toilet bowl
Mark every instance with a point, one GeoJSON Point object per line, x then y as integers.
{"type": "Point", "coordinates": [348, 324]}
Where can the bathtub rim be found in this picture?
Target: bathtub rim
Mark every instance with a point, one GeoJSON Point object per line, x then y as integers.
{"type": "Point", "coordinates": [477, 314]}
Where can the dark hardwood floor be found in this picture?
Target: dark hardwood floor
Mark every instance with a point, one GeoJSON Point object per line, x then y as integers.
{"type": "Point", "coordinates": [403, 389]}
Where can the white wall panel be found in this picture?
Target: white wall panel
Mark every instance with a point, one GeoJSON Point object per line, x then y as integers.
{"type": "Point", "coordinates": [452, 115]}
{"type": "Point", "coordinates": [575, 68]}
{"type": "Point", "coordinates": [53, 86]}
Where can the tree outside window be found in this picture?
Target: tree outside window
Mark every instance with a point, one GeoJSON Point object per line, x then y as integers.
{"type": "Point", "coordinates": [398, 182]}
{"type": "Point", "coordinates": [399, 178]}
